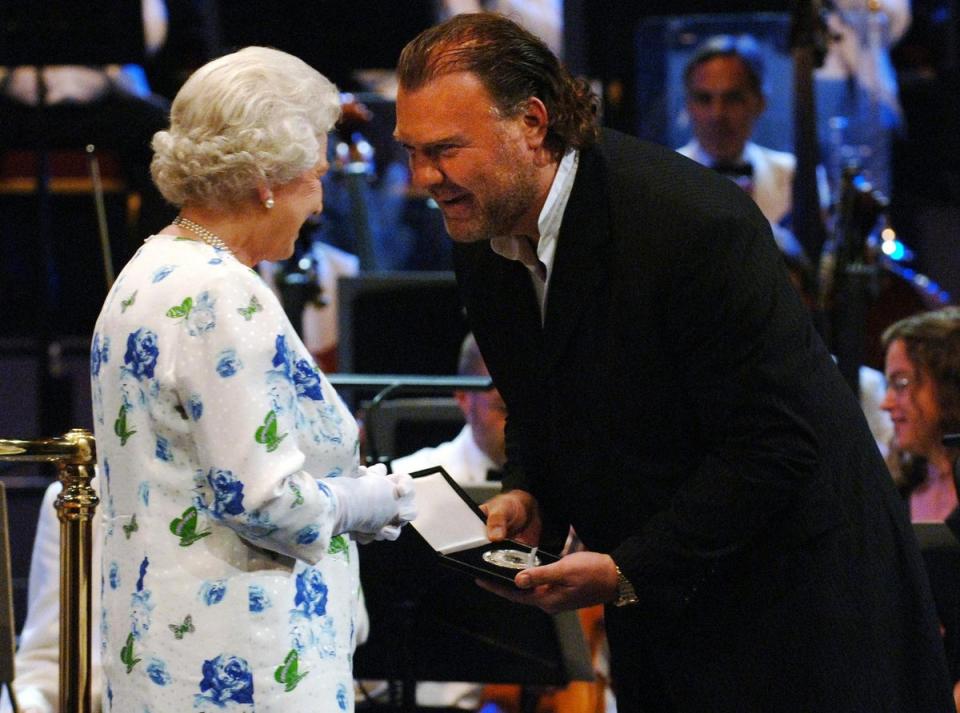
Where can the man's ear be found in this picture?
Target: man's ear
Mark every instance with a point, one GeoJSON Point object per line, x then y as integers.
{"type": "Point", "coordinates": [763, 104]}
{"type": "Point", "coordinates": [535, 121]}
{"type": "Point", "coordinates": [463, 401]}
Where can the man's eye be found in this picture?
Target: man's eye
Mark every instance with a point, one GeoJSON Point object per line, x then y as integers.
{"type": "Point", "coordinates": [444, 150]}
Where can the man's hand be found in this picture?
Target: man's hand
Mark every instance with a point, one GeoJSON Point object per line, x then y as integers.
{"type": "Point", "coordinates": [578, 580]}
{"type": "Point", "coordinates": [513, 515]}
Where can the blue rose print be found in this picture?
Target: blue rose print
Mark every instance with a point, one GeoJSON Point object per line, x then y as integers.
{"type": "Point", "coordinates": [226, 678]}
{"type": "Point", "coordinates": [308, 535]}
{"type": "Point", "coordinates": [258, 599]}
{"type": "Point", "coordinates": [141, 604]}
{"type": "Point", "coordinates": [142, 352]}
{"type": "Point", "coordinates": [163, 449]}
{"type": "Point", "coordinates": [256, 526]}
{"type": "Point", "coordinates": [195, 406]}
{"type": "Point", "coordinates": [325, 490]}
{"type": "Point", "coordinates": [162, 272]}
{"type": "Point", "coordinates": [99, 354]}
{"type": "Point", "coordinates": [284, 356]}
{"type": "Point", "coordinates": [227, 492]}
{"type": "Point", "coordinates": [201, 317]}
{"type": "Point", "coordinates": [307, 381]}
{"type": "Point", "coordinates": [143, 573]}
{"type": "Point", "coordinates": [157, 671]}
{"type": "Point", "coordinates": [213, 592]}
{"type": "Point", "coordinates": [311, 592]}
{"type": "Point", "coordinates": [228, 363]}
{"type": "Point", "coordinates": [342, 697]}
{"type": "Point", "coordinates": [144, 492]}
{"type": "Point", "coordinates": [301, 372]}
{"type": "Point", "coordinates": [114, 575]}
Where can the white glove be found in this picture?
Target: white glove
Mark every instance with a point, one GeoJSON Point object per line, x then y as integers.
{"type": "Point", "coordinates": [374, 505]}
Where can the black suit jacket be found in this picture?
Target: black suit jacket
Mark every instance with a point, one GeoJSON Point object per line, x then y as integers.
{"type": "Point", "coordinates": [678, 409]}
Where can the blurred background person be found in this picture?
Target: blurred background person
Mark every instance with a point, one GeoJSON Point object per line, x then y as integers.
{"type": "Point", "coordinates": [923, 400]}
{"type": "Point", "coordinates": [232, 491]}
{"type": "Point", "coordinates": [857, 100]}
{"type": "Point", "coordinates": [37, 661]}
{"type": "Point", "coordinates": [110, 106]}
{"type": "Point", "coordinates": [724, 98]}
{"type": "Point", "coordinates": [478, 452]}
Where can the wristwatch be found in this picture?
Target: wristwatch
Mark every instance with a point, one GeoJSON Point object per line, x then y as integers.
{"type": "Point", "coordinates": [626, 594]}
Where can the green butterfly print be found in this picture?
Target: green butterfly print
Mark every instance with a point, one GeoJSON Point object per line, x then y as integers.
{"type": "Point", "coordinates": [127, 302]}
{"type": "Point", "coordinates": [338, 544]}
{"type": "Point", "coordinates": [248, 311]}
{"type": "Point", "coordinates": [182, 310]}
{"type": "Point", "coordinates": [297, 495]}
{"type": "Point", "coordinates": [267, 433]}
{"type": "Point", "coordinates": [180, 629]}
{"type": "Point", "coordinates": [185, 527]}
{"type": "Point", "coordinates": [287, 672]}
{"type": "Point", "coordinates": [131, 526]}
{"type": "Point", "coordinates": [120, 426]}
{"type": "Point", "coordinates": [126, 654]}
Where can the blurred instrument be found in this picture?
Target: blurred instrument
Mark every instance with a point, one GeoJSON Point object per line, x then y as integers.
{"type": "Point", "coordinates": [354, 162]}
{"type": "Point", "coordinates": [808, 44]}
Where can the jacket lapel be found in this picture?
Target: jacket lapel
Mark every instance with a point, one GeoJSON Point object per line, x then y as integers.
{"type": "Point", "coordinates": [579, 268]}
{"type": "Point", "coordinates": [500, 300]}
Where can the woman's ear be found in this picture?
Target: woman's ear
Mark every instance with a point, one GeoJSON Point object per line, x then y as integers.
{"type": "Point", "coordinates": [265, 195]}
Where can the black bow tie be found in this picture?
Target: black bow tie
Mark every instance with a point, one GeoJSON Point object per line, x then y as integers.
{"type": "Point", "coordinates": [494, 474]}
{"type": "Point", "coordinates": [733, 169]}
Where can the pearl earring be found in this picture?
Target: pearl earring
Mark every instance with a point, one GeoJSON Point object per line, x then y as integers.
{"type": "Point", "coordinates": [269, 203]}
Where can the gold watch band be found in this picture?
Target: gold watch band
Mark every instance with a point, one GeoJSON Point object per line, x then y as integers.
{"type": "Point", "coordinates": [626, 594]}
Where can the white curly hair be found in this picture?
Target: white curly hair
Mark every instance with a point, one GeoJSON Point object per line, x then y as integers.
{"type": "Point", "coordinates": [251, 117]}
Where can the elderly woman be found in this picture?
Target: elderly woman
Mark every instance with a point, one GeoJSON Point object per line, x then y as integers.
{"type": "Point", "coordinates": [923, 400]}
{"type": "Point", "coordinates": [232, 491]}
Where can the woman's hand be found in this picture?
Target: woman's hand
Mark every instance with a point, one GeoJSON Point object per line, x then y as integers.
{"type": "Point", "coordinates": [374, 505]}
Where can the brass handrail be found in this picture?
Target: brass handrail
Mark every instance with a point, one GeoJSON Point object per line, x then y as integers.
{"type": "Point", "coordinates": [74, 455]}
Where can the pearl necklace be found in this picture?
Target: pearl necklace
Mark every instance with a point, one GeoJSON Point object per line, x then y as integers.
{"type": "Point", "coordinates": [211, 239]}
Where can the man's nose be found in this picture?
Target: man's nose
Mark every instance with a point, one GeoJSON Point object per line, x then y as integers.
{"type": "Point", "coordinates": [717, 107]}
{"type": "Point", "coordinates": [424, 173]}
{"type": "Point", "coordinates": [889, 400]}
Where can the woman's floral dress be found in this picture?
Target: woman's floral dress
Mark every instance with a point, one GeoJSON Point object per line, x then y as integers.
{"type": "Point", "coordinates": [223, 587]}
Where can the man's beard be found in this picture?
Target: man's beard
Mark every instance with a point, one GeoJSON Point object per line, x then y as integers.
{"type": "Point", "coordinates": [507, 198]}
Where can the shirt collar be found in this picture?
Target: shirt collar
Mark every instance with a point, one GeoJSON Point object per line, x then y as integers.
{"type": "Point", "coordinates": [705, 159]}
{"type": "Point", "coordinates": [518, 247]}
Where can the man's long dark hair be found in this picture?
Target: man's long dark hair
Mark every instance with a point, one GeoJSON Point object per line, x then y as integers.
{"type": "Point", "coordinates": [513, 66]}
